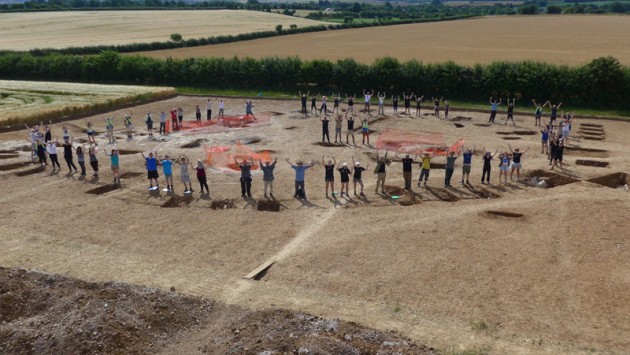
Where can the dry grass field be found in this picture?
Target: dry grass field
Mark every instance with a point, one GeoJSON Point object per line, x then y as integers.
{"type": "Point", "coordinates": [500, 269]}
{"type": "Point", "coordinates": [23, 101]}
{"type": "Point", "coordinates": [572, 40]}
{"type": "Point", "coordinates": [24, 31]}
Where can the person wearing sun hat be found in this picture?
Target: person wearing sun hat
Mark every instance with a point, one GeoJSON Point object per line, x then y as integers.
{"type": "Point", "coordinates": [300, 170]}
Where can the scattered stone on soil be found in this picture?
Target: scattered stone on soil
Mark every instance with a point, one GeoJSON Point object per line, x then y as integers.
{"type": "Point", "coordinates": [222, 204]}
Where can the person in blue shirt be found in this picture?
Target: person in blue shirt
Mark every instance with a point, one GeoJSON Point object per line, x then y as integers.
{"type": "Point", "coordinates": [494, 106]}
{"type": "Point", "coordinates": [466, 165]}
{"type": "Point", "coordinates": [300, 170]}
{"type": "Point", "coordinates": [167, 170]}
{"type": "Point", "coordinates": [544, 140]}
{"type": "Point", "coordinates": [152, 174]}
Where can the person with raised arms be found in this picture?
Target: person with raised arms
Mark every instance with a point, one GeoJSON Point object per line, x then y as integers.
{"type": "Point", "coordinates": [365, 130]}
{"type": "Point", "coordinates": [324, 107]}
{"type": "Point", "coordinates": [128, 126]}
{"type": "Point", "coordinates": [93, 159]}
{"type": "Point", "coordinates": [184, 175]}
{"type": "Point", "coordinates": [539, 112]}
{"type": "Point", "coordinates": [494, 107]}
{"type": "Point", "coordinates": [407, 99]}
{"type": "Point", "coordinates": [300, 170]}
{"type": "Point", "coordinates": [436, 106]}
{"type": "Point", "coordinates": [162, 123]}
{"type": "Point", "coordinates": [418, 104]}
{"type": "Point", "coordinates": [209, 109]}
{"type": "Point", "coordinates": [510, 111]}
{"type": "Point", "coordinates": [67, 154]}
{"type": "Point", "coordinates": [325, 130]}
{"type": "Point", "coordinates": [467, 164]}
{"type": "Point", "coordinates": [303, 99]}
{"type": "Point", "coordinates": [149, 122]}
{"type": "Point", "coordinates": [314, 103]}
{"type": "Point", "coordinates": [338, 125]}
{"type": "Point", "coordinates": [381, 171]}
{"type": "Point", "coordinates": [249, 109]}
{"type": "Point", "coordinates": [554, 112]}
{"type": "Point", "coordinates": [368, 96]}
{"type": "Point", "coordinates": [350, 131]}
{"type": "Point", "coordinates": [395, 104]}
{"type": "Point", "coordinates": [114, 157]}
{"type": "Point", "coordinates": [109, 127]}
{"type": "Point", "coordinates": [344, 173]}
{"type": "Point", "coordinates": [504, 166]}
{"type": "Point", "coordinates": [329, 175]}
{"type": "Point", "coordinates": [336, 101]}
{"type": "Point", "coordinates": [151, 163]}
{"type": "Point", "coordinates": [544, 140]}
{"type": "Point", "coordinates": [381, 103]}
{"type": "Point", "coordinates": [450, 167]}
{"type": "Point", "coordinates": [51, 147]}
{"type": "Point", "coordinates": [516, 162]}
{"type": "Point", "coordinates": [446, 108]}
{"type": "Point", "coordinates": [407, 163]}
{"type": "Point", "coordinates": [246, 176]}
{"type": "Point", "coordinates": [357, 171]}
{"type": "Point", "coordinates": [167, 170]}
{"type": "Point", "coordinates": [425, 168]}
{"type": "Point", "coordinates": [350, 105]}
{"type": "Point", "coordinates": [487, 166]}
{"type": "Point", "coordinates": [201, 177]}
{"type": "Point", "coordinates": [268, 177]}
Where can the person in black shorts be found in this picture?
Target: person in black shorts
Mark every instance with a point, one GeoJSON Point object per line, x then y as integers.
{"type": "Point", "coordinates": [418, 104]}
{"type": "Point", "coordinates": [516, 162]}
{"type": "Point", "coordinates": [436, 106]}
{"type": "Point", "coordinates": [314, 103]}
{"type": "Point", "coordinates": [350, 108]}
{"type": "Point", "coordinates": [325, 132]}
{"type": "Point", "coordinates": [557, 159]}
{"type": "Point", "coordinates": [407, 163]}
{"type": "Point", "coordinates": [554, 112]}
{"type": "Point", "coordinates": [350, 131]}
{"type": "Point", "coordinates": [553, 146]}
{"type": "Point", "coordinates": [303, 98]}
{"type": "Point", "coordinates": [395, 104]}
{"type": "Point", "coordinates": [510, 111]}
{"type": "Point", "coordinates": [329, 176]}
{"type": "Point", "coordinates": [336, 101]}
{"type": "Point", "coordinates": [357, 169]}
{"type": "Point", "coordinates": [494, 106]}
{"type": "Point", "coordinates": [407, 103]}
{"type": "Point", "coordinates": [345, 178]}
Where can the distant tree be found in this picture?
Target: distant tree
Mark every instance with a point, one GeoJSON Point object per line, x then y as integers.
{"type": "Point", "coordinates": [554, 9]}
{"type": "Point", "coordinates": [528, 9]}
{"type": "Point", "coordinates": [348, 19]}
{"type": "Point", "coordinates": [356, 7]}
{"type": "Point", "coordinates": [176, 37]}
{"type": "Point", "coordinates": [292, 26]}
{"type": "Point", "coordinates": [278, 28]}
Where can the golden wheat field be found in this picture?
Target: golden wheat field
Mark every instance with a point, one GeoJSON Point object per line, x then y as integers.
{"type": "Point", "coordinates": [24, 31]}
{"type": "Point", "coordinates": [572, 40]}
{"type": "Point", "coordinates": [22, 101]}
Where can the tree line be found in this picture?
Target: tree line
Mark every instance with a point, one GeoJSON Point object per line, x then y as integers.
{"type": "Point", "coordinates": [601, 84]}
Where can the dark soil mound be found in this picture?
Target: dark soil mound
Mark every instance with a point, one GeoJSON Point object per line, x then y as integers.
{"type": "Point", "coordinates": [504, 214]}
{"type": "Point", "coordinates": [222, 204]}
{"type": "Point", "coordinates": [511, 138]}
{"type": "Point", "coordinates": [461, 118]}
{"type": "Point", "coordinates": [177, 201]}
{"type": "Point", "coordinates": [194, 144]}
{"type": "Point", "coordinates": [50, 314]}
{"type": "Point", "coordinates": [596, 163]}
{"type": "Point", "coordinates": [525, 133]}
{"type": "Point", "coordinates": [458, 125]}
{"type": "Point", "coordinates": [268, 205]}
{"type": "Point", "coordinates": [128, 151]}
{"type": "Point", "coordinates": [614, 181]}
{"type": "Point", "coordinates": [103, 189]}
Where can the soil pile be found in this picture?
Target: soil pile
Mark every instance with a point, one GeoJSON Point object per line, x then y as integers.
{"type": "Point", "coordinates": [51, 314]}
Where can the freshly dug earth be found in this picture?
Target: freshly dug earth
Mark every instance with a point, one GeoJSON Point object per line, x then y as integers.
{"type": "Point", "coordinates": [50, 314]}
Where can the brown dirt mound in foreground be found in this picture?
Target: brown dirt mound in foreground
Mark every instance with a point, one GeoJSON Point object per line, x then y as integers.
{"type": "Point", "coordinates": [51, 314]}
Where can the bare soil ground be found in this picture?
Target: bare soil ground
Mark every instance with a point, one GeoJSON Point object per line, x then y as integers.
{"type": "Point", "coordinates": [51, 314]}
{"type": "Point", "coordinates": [505, 268]}
{"type": "Point", "coordinates": [86, 28]}
{"type": "Point", "coordinates": [573, 40]}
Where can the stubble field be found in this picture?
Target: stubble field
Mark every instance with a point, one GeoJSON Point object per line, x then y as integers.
{"type": "Point", "coordinates": [500, 269]}
{"type": "Point", "coordinates": [25, 31]}
{"type": "Point", "coordinates": [573, 40]}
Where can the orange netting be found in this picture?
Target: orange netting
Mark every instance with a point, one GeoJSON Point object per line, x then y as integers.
{"type": "Point", "coordinates": [222, 158]}
{"type": "Point", "coordinates": [227, 122]}
{"type": "Point", "coordinates": [415, 142]}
